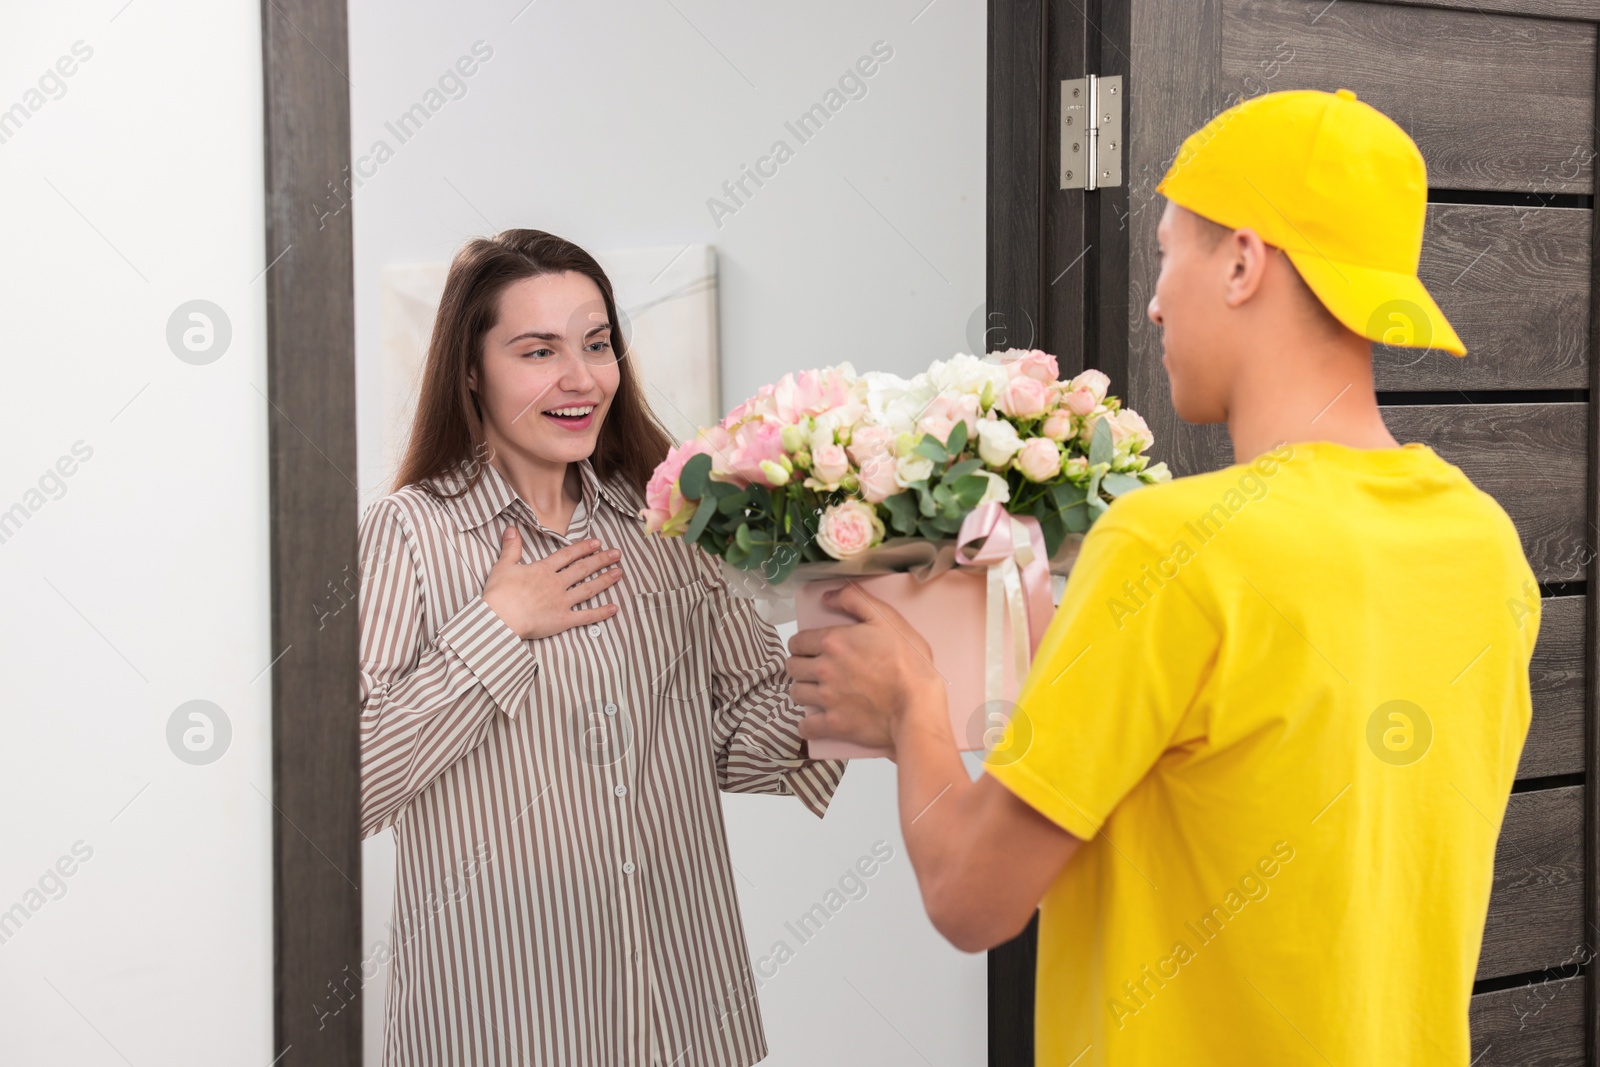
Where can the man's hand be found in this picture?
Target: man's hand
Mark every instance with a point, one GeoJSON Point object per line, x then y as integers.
{"type": "Point", "coordinates": [865, 681]}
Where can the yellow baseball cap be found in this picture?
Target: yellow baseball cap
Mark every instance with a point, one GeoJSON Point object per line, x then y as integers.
{"type": "Point", "coordinates": [1340, 188]}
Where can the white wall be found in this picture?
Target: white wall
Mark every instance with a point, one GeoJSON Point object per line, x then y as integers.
{"type": "Point", "coordinates": [139, 581]}
{"type": "Point", "coordinates": [612, 124]}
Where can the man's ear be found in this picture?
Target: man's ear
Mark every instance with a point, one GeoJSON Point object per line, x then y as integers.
{"type": "Point", "coordinates": [1247, 265]}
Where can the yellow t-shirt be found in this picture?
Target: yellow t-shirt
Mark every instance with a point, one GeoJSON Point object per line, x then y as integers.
{"type": "Point", "coordinates": [1282, 703]}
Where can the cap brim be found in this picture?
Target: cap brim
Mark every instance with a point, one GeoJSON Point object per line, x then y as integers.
{"type": "Point", "coordinates": [1382, 306]}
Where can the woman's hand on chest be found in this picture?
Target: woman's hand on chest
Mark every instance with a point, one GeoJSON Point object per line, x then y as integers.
{"type": "Point", "coordinates": [541, 599]}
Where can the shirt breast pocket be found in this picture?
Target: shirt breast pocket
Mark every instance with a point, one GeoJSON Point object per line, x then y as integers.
{"type": "Point", "coordinates": [673, 635]}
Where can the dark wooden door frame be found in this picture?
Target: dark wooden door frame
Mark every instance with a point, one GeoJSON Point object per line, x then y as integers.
{"type": "Point", "coordinates": [1057, 268]}
{"type": "Point", "coordinates": [1591, 709]}
{"type": "Point", "coordinates": [316, 847]}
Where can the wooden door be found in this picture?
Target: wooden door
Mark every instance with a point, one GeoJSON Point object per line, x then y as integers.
{"type": "Point", "coordinates": [1500, 97]}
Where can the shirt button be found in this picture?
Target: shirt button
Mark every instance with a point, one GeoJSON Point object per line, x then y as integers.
{"type": "Point", "coordinates": [628, 867]}
{"type": "Point", "coordinates": [621, 790]}
{"type": "Point", "coordinates": [611, 709]}
{"type": "Point", "coordinates": [594, 629]}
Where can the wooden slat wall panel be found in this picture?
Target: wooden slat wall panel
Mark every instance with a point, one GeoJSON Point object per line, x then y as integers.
{"type": "Point", "coordinates": [1529, 1026]}
{"type": "Point", "coordinates": [1514, 282]}
{"type": "Point", "coordinates": [1556, 736]}
{"type": "Point", "coordinates": [1551, 9]}
{"type": "Point", "coordinates": [1017, 165]}
{"type": "Point", "coordinates": [1529, 457]}
{"type": "Point", "coordinates": [1487, 114]}
{"type": "Point", "coordinates": [1536, 911]}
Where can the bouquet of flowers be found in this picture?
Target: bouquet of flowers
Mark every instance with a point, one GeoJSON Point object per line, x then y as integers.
{"type": "Point", "coordinates": [822, 465]}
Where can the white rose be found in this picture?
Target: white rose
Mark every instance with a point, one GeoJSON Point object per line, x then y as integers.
{"type": "Point", "coordinates": [997, 441]}
{"type": "Point", "coordinates": [893, 401]}
{"type": "Point", "coordinates": [998, 492]}
{"type": "Point", "coordinates": [966, 373]}
{"type": "Point", "coordinates": [911, 468]}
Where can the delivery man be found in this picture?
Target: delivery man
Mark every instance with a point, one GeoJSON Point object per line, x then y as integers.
{"type": "Point", "coordinates": [1255, 778]}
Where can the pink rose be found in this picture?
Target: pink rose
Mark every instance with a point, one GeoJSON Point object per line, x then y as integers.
{"type": "Point", "coordinates": [829, 464]}
{"type": "Point", "coordinates": [1096, 381]}
{"type": "Point", "coordinates": [1036, 364]}
{"type": "Point", "coordinates": [849, 529]}
{"type": "Point", "coordinates": [1039, 460]}
{"type": "Point", "coordinates": [1024, 398]}
{"type": "Point", "coordinates": [760, 404]}
{"type": "Point", "coordinates": [877, 478]}
{"type": "Point", "coordinates": [811, 392]}
{"type": "Point", "coordinates": [937, 425]}
{"type": "Point", "coordinates": [868, 441]}
{"type": "Point", "coordinates": [666, 511]}
{"type": "Point", "coordinates": [752, 443]}
{"type": "Point", "coordinates": [1086, 435]}
{"type": "Point", "coordinates": [957, 407]}
{"type": "Point", "coordinates": [1080, 399]}
{"type": "Point", "coordinates": [1057, 425]}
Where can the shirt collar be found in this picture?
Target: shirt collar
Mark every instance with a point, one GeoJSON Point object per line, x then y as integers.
{"type": "Point", "coordinates": [493, 494]}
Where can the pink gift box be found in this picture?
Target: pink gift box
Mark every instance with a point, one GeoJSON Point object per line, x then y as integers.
{"type": "Point", "coordinates": [949, 612]}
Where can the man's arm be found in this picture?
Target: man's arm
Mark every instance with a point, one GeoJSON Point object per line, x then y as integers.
{"type": "Point", "coordinates": [983, 857]}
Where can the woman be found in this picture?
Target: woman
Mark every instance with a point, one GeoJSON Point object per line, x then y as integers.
{"type": "Point", "coordinates": [550, 701]}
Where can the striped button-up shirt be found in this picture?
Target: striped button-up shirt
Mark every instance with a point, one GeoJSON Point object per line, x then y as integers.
{"type": "Point", "coordinates": [564, 896]}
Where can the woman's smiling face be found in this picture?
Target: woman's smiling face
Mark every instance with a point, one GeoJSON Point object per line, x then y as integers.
{"type": "Point", "coordinates": [549, 350]}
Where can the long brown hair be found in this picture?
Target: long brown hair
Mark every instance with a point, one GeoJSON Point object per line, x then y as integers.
{"type": "Point", "coordinates": [448, 426]}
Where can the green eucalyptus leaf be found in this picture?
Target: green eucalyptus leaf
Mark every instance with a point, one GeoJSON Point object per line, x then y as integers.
{"type": "Point", "coordinates": [702, 516]}
{"type": "Point", "coordinates": [925, 502]}
{"type": "Point", "coordinates": [962, 469]}
{"type": "Point", "coordinates": [902, 512]}
{"type": "Point", "coordinates": [692, 479]}
{"type": "Point", "coordinates": [734, 503]}
{"type": "Point", "coordinates": [929, 446]}
{"type": "Point", "coordinates": [741, 536]}
{"type": "Point", "coordinates": [1117, 483]}
{"type": "Point", "coordinates": [1067, 495]}
{"type": "Point", "coordinates": [1054, 530]}
{"type": "Point", "coordinates": [781, 563]}
{"type": "Point", "coordinates": [970, 489]}
{"type": "Point", "coordinates": [957, 439]}
{"type": "Point", "coordinates": [1100, 450]}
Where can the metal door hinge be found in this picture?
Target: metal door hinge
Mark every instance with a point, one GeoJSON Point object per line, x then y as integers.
{"type": "Point", "coordinates": [1091, 132]}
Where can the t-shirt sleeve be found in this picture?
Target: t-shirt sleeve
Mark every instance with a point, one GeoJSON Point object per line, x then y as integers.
{"type": "Point", "coordinates": [1116, 673]}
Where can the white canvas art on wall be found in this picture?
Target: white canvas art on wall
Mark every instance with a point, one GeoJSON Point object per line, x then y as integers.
{"type": "Point", "coordinates": [667, 302]}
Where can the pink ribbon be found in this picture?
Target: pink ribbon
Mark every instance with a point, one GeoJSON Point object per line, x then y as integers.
{"type": "Point", "coordinates": [1019, 538]}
